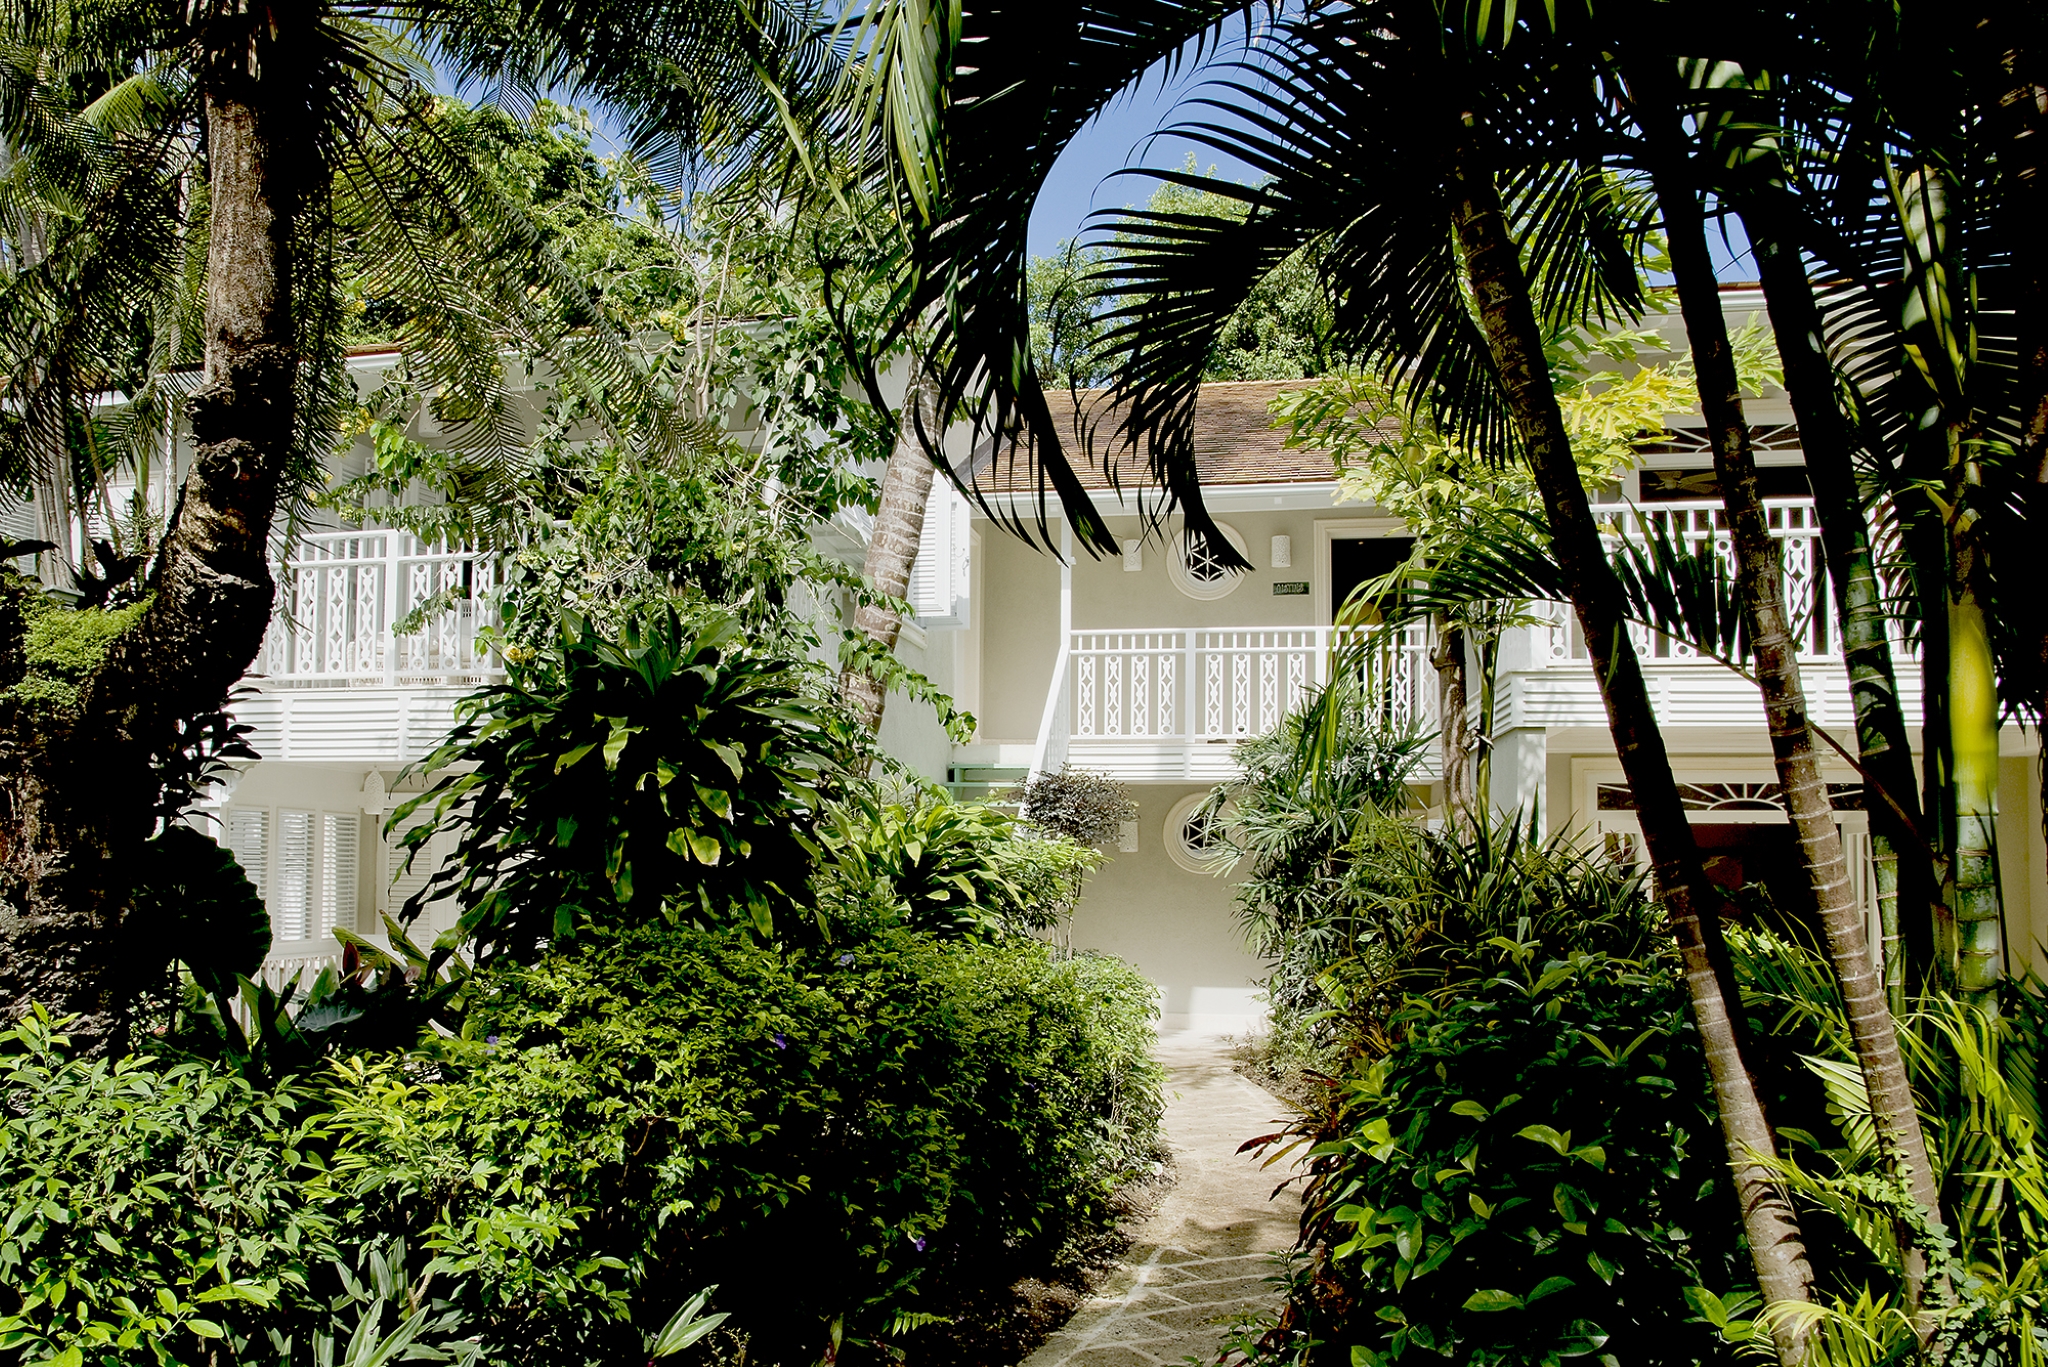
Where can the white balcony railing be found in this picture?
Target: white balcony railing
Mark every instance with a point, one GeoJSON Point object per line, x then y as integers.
{"type": "Point", "coordinates": [1204, 684]}
{"type": "Point", "coordinates": [1693, 525]}
{"type": "Point", "coordinates": [342, 594]}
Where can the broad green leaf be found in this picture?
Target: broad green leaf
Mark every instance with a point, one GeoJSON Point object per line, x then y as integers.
{"type": "Point", "coordinates": [1581, 1337]}
{"type": "Point", "coordinates": [1493, 1300]}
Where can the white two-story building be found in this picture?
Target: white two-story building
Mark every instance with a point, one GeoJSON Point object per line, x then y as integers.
{"type": "Point", "coordinates": [1152, 665]}
{"type": "Point", "coordinates": [1149, 666]}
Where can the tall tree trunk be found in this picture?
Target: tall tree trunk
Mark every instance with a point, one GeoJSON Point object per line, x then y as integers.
{"type": "Point", "coordinates": [1973, 753]}
{"type": "Point", "coordinates": [1940, 298]}
{"type": "Point", "coordinates": [1453, 730]}
{"type": "Point", "coordinates": [2017, 42]}
{"type": "Point", "coordinates": [892, 545]}
{"type": "Point", "coordinates": [76, 792]}
{"type": "Point", "coordinates": [1905, 869]}
{"type": "Point", "coordinates": [1493, 267]}
{"type": "Point", "coordinates": [1760, 588]}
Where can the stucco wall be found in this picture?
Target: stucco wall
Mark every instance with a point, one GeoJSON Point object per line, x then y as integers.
{"type": "Point", "coordinates": [1017, 593]}
{"type": "Point", "coordinates": [1179, 928]}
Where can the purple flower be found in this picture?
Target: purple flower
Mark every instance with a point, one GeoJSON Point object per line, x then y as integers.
{"type": "Point", "coordinates": [846, 959]}
{"type": "Point", "coordinates": [917, 1242]}
{"type": "Point", "coordinates": [780, 1040]}
{"type": "Point", "coordinates": [490, 1039]}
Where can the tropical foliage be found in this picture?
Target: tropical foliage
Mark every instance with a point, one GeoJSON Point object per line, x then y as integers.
{"type": "Point", "coordinates": [1528, 1174]}
{"type": "Point", "coordinates": [670, 775]}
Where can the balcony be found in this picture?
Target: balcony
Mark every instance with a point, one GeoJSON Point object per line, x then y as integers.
{"type": "Point", "coordinates": [376, 635]}
{"type": "Point", "coordinates": [1163, 705]}
{"type": "Point", "coordinates": [1168, 705]}
{"type": "Point", "coordinates": [1552, 683]}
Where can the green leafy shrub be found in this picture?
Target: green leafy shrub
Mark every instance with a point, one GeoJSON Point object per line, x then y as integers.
{"type": "Point", "coordinates": [1532, 1173]}
{"type": "Point", "coordinates": [879, 1123]}
{"type": "Point", "coordinates": [154, 1212]}
{"type": "Point", "coordinates": [951, 867]}
{"type": "Point", "coordinates": [669, 775]}
{"type": "Point", "coordinates": [1296, 820]}
{"type": "Point", "coordinates": [61, 646]}
{"type": "Point", "coordinates": [1402, 908]}
{"type": "Point", "coordinates": [1977, 1076]}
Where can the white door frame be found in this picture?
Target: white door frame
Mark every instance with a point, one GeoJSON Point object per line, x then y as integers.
{"type": "Point", "coordinates": [1345, 529]}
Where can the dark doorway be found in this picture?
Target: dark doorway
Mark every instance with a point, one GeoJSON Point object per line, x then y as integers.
{"type": "Point", "coordinates": [1356, 560]}
{"type": "Point", "coordinates": [1759, 861]}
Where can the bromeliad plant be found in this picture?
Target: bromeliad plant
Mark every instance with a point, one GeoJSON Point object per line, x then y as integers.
{"type": "Point", "coordinates": [672, 774]}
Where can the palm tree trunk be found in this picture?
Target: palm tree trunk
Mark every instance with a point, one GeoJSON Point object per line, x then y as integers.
{"type": "Point", "coordinates": [1453, 731]}
{"type": "Point", "coordinates": [1760, 585]}
{"type": "Point", "coordinates": [1903, 863]}
{"type": "Point", "coordinates": [1494, 270]}
{"type": "Point", "coordinates": [1973, 753]}
{"type": "Point", "coordinates": [2017, 38]}
{"type": "Point", "coordinates": [892, 545]}
{"type": "Point", "coordinates": [75, 799]}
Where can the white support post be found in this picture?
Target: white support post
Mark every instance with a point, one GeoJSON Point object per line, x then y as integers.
{"type": "Point", "coordinates": [1057, 698]}
{"type": "Point", "coordinates": [391, 614]}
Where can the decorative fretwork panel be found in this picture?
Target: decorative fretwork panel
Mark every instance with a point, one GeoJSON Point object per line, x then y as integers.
{"type": "Point", "coordinates": [1703, 524]}
{"type": "Point", "coordinates": [382, 606]}
{"type": "Point", "coordinates": [1226, 684]}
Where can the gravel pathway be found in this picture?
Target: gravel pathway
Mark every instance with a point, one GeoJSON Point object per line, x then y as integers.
{"type": "Point", "coordinates": [1203, 1256]}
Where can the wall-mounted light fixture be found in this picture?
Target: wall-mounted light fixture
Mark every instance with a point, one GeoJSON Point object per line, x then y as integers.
{"type": "Point", "coordinates": [1134, 555]}
{"type": "Point", "coordinates": [1283, 552]}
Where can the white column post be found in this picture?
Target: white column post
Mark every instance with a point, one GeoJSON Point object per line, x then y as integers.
{"type": "Point", "coordinates": [391, 563]}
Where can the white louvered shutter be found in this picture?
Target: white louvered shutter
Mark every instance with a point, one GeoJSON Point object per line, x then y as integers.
{"type": "Point", "coordinates": [291, 907]}
{"type": "Point", "coordinates": [248, 839]}
{"type": "Point", "coordinates": [339, 834]}
{"type": "Point", "coordinates": [938, 578]}
{"type": "Point", "coordinates": [405, 882]}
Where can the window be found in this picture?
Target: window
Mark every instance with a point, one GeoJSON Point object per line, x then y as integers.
{"type": "Point", "coordinates": [248, 838]}
{"type": "Point", "coordinates": [1194, 836]}
{"type": "Point", "coordinates": [1198, 571]}
{"type": "Point", "coordinates": [339, 832]}
{"type": "Point", "coordinates": [312, 888]}
{"type": "Point", "coordinates": [291, 907]}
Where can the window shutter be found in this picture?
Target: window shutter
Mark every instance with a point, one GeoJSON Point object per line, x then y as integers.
{"type": "Point", "coordinates": [339, 834]}
{"type": "Point", "coordinates": [248, 839]}
{"type": "Point", "coordinates": [405, 882]}
{"type": "Point", "coordinates": [291, 911]}
{"type": "Point", "coordinates": [938, 578]}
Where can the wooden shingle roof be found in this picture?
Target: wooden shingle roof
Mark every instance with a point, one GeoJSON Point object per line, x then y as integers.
{"type": "Point", "coordinates": [1235, 444]}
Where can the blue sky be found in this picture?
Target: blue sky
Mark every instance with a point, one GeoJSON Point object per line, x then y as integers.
{"type": "Point", "coordinates": [1121, 136]}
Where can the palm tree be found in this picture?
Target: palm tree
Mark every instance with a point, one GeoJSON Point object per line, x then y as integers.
{"type": "Point", "coordinates": [1657, 104]}
{"type": "Point", "coordinates": [1390, 139]}
{"type": "Point", "coordinates": [255, 150]}
{"type": "Point", "coordinates": [892, 548]}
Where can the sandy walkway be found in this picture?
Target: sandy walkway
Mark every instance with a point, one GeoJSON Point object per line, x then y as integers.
{"type": "Point", "coordinates": [1204, 1255]}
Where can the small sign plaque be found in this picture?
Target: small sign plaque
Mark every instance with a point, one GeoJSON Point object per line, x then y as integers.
{"type": "Point", "coordinates": [1290, 588]}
